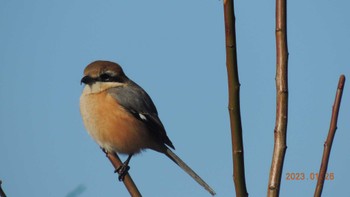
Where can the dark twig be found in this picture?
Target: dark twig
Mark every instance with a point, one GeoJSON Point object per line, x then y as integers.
{"type": "Point", "coordinates": [2, 193]}
{"type": "Point", "coordinates": [128, 182]}
{"type": "Point", "coordinates": [280, 132]}
{"type": "Point", "coordinates": [234, 103]}
{"type": "Point", "coordinates": [330, 137]}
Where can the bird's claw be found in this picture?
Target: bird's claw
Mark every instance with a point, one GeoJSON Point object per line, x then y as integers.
{"type": "Point", "coordinates": [122, 171]}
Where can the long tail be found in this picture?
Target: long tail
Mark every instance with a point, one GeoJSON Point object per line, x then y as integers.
{"type": "Point", "coordinates": [188, 170]}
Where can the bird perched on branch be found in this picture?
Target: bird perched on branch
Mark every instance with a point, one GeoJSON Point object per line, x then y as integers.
{"type": "Point", "coordinates": [121, 117]}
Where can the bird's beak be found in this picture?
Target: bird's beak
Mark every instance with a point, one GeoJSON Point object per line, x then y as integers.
{"type": "Point", "coordinates": [87, 80]}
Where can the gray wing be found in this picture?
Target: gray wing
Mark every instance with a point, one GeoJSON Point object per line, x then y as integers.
{"type": "Point", "coordinates": [137, 102]}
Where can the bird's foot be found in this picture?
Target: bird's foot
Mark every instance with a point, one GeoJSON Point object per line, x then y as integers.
{"type": "Point", "coordinates": [105, 151]}
{"type": "Point", "coordinates": [122, 171]}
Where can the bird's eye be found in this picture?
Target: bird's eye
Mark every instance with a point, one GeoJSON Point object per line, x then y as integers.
{"type": "Point", "coordinates": [105, 77]}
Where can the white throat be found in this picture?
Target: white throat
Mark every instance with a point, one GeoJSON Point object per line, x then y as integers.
{"type": "Point", "coordinates": [98, 87]}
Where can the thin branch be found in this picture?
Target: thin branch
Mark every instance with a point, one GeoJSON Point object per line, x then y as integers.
{"type": "Point", "coordinates": [234, 102]}
{"type": "Point", "coordinates": [2, 193]}
{"type": "Point", "coordinates": [280, 132]}
{"type": "Point", "coordinates": [128, 182]}
{"type": "Point", "coordinates": [330, 137]}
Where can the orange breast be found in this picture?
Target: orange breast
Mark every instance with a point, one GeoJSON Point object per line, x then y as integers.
{"type": "Point", "coordinates": [111, 126]}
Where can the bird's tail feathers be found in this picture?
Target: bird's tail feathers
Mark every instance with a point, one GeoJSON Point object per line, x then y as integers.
{"type": "Point", "coordinates": [188, 170]}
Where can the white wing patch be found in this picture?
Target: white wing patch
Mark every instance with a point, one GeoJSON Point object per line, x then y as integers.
{"type": "Point", "coordinates": [142, 117]}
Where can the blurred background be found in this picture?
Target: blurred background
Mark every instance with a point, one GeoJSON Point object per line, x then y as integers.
{"type": "Point", "coordinates": [176, 51]}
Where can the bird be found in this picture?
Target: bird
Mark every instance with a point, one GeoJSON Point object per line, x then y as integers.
{"type": "Point", "coordinates": [122, 118]}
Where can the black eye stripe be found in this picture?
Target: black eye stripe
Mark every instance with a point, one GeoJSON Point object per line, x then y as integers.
{"type": "Point", "coordinates": [105, 77]}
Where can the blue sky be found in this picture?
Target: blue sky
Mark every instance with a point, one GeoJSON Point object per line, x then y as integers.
{"type": "Point", "coordinates": [175, 50]}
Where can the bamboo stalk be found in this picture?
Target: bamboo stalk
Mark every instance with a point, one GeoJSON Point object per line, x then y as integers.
{"type": "Point", "coordinates": [330, 137]}
{"type": "Point", "coordinates": [280, 131]}
{"type": "Point", "coordinates": [128, 182]}
{"type": "Point", "coordinates": [2, 193]}
{"type": "Point", "coordinates": [234, 102]}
